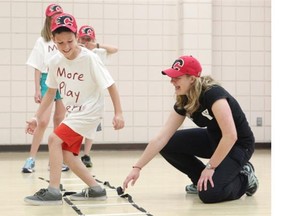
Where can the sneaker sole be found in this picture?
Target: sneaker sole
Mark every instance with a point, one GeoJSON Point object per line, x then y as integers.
{"type": "Point", "coordinates": [88, 165]}
{"type": "Point", "coordinates": [43, 203]}
{"type": "Point", "coordinates": [251, 193]}
{"type": "Point", "coordinates": [25, 170]}
{"type": "Point", "coordinates": [192, 192]}
{"type": "Point", "coordinates": [102, 198]}
{"type": "Point", "coordinates": [65, 170]}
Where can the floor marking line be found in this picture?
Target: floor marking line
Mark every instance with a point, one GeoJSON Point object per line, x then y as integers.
{"type": "Point", "coordinates": [119, 191]}
{"type": "Point", "coordinates": [118, 214]}
{"type": "Point", "coordinates": [77, 210]}
{"type": "Point", "coordinates": [100, 205]}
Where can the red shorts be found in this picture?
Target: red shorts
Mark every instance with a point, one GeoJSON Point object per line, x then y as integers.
{"type": "Point", "coordinates": [72, 141]}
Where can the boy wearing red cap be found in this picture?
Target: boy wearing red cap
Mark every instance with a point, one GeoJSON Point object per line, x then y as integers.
{"type": "Point", "coordinates": [87, 38]}
{"type": "Point", "coordinates": [81, 79]}
{"type": "Point", "coordinates": [224, 137]}
{"type": "Point", "coordinates": [43, 50]}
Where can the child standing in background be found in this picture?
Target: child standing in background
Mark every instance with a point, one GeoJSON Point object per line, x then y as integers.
{"type": "Point", "coordinates": [43, 50]}
{"type": "Point", "coordinates": [87, 38]}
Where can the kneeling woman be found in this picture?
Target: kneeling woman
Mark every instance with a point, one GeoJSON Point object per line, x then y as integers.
{"type": "Point", "coordinates": [224, 137]}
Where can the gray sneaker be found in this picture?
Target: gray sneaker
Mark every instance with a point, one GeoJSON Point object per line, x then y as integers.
{"type": "Point", "coordinates": [44, 197]}
{"type": "Point", "coordinates": [253, 183]}
{"type": "Point", "coordinates": [191, 189]}
{"type": "Point", "coordinates": [89, 194]}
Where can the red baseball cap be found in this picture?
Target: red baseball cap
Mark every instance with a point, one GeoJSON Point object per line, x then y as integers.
{"type": "Point", "coordinates": [86, 31]}
{"type": "Point", "coordinates": [53, 9]}
{"type": "Point", "coordinates": [184, 65]}
{"type": "Point", "coordinates": [64, 20]}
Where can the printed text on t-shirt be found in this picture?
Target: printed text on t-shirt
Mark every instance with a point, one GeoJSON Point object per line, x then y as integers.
{"type": "Point", "coordinates": [63, 87]}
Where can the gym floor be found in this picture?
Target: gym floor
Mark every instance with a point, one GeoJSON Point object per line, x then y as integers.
{"type": "Point", "coordinates": [159, 191]}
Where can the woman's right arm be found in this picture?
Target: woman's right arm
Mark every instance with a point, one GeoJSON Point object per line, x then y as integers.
{"type": "Point", "coordinates": [155, 145]}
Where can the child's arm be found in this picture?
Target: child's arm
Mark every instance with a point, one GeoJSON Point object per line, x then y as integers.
{"type": "Point", "coordinates": [118, 120]}
{"type": "Point", "coordinates": [109, 48]}
{"type": "Point", "coordinates": [37, 77]}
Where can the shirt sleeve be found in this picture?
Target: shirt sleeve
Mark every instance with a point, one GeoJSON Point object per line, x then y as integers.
{"type": "Point", "coordinates": [36, 56]}
{"type": "Point", "coordinates": [214, 94]}
{"type": "Point", "coordinates": [179, 111]}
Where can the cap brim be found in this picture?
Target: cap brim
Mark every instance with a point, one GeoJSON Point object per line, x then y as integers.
{"type": "Point", "coordinates": [66, 26]}
{"type": "Point", "coordinates": [172, 73]}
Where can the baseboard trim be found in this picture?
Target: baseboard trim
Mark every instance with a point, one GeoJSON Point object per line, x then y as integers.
{"type": "Point", "coordinates": [107, 146]}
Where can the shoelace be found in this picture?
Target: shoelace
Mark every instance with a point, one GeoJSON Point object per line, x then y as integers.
{"type": "Point", "coordinates": [41, 192]}
{"type": "Point", "coordinates": [252, 180]}
{"type": "Point", "coordinates": [86, 192]}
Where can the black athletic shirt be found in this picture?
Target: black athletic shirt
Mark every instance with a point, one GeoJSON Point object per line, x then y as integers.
{"type": "Point", "coordinates": [204, 117]}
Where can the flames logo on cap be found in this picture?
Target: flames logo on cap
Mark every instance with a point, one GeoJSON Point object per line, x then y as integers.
{"type": "Point", "coordinates": [54, 8]}
{"type": "Point", "coordinates": [178, 64]}
{"type": "Point", "coordinates": [88, 31]}
{"type": "Point", "coordinates": [65, 20]}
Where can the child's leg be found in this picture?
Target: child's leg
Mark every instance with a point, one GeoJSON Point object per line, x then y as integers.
{"type": "Point", "coordinates": [76, 165]}
{"type": "Point", "coordinates": [56, 160]}
{"type": "Point", "coordinates": [59, 113]}
{"type": "Point", "coordinates": [87, 146]}
{"type": "Point", "coordinates": [39, 132]}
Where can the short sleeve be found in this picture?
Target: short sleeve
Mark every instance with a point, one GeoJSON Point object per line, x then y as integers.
{"type": "Point", "coordinates": [100, 73]}
{"type": "Point", "coordinates": [214, 94]}
{"type": "Point", "coordinates": [179, 111]}
{"type": "Point", "coordinates": [36, 56]}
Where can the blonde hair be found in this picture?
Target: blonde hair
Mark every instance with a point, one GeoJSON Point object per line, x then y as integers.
{"type": "Point", "coordinates": [190, 102]}
{"type": "Point", "coordinates": [46, 31]}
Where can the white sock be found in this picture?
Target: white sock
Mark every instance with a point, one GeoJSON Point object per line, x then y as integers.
{"type": "Point", "coordinates": [54, 190]}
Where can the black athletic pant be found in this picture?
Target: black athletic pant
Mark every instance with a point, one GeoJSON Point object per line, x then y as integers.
{"type": "Point", "coordinates": [186, 146]}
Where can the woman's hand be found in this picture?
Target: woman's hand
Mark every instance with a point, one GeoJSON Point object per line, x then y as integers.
{"type": "Point", "coordinates": [133, 176]}
{"type": "Point", "coordinates": [206, 176]}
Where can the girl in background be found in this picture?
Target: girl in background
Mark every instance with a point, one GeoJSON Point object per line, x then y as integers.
{"type": "Point", "coordinates": [43, 50]}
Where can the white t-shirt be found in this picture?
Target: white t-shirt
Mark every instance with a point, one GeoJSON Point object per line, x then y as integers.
{"type": "Point", "coordinates": [81, 82]}
{"type": "Point", "coordinates": [41, 53]}
{"type": "Point", "coordinates": [102, 53]}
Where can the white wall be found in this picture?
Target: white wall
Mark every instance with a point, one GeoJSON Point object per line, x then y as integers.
{"type": "Point", "coordinates": [231, 38]}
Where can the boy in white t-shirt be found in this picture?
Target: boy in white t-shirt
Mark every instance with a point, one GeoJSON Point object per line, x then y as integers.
{"type": "Point", "coordinates": [81, 78]}
{"type": "Point", "coordinates": [87, 38]}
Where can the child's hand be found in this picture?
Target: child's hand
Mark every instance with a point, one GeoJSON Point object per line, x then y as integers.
{"type": "Point", "coordinates": [118, 122]}
{"type": "Point", "coordinates": [31, 126]}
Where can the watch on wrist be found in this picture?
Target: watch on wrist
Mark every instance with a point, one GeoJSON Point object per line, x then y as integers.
{"type": "Point", "coordinates": [209, 166]}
